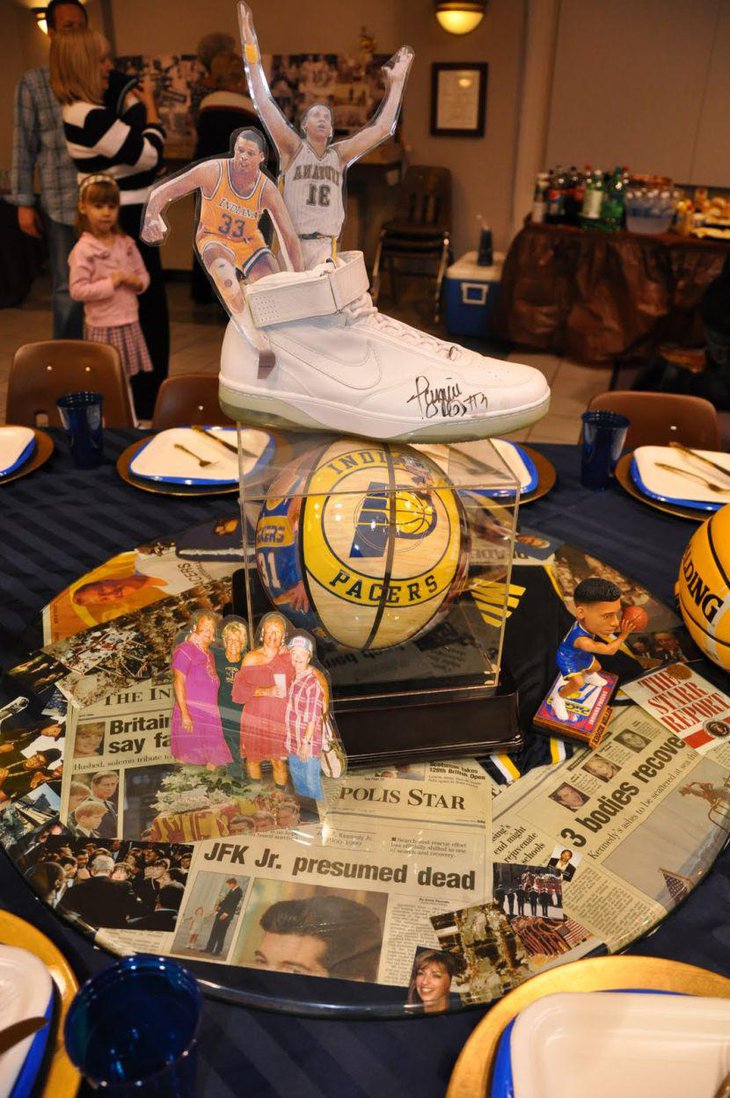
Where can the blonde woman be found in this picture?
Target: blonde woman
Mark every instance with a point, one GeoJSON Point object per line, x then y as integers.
{"type": "Point", "coordinates": [129, 150]}
{"type": "Point", "coordinates": [261, 686]}
{"type": "Point", "coordinates": [228, 657]}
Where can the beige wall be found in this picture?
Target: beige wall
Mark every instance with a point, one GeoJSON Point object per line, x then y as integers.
{"type": "Point", "coordinates": [643, 83]}
{"type": "Point", "coordinates": [283, 26]}
{"type": "Point", "coordinates": [482, 167]}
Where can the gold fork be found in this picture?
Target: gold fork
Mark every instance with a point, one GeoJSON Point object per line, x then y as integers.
{"type": "Point", "coordinates": [217, 438]}
{"type": "Point", "coordinates": [701, 457]}
{"type": "Point", "coordinates": [693, 476]}
{"type": "Point", "coordinates": [202, 462]}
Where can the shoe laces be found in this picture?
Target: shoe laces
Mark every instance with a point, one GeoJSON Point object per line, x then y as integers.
{"type": "Point", "coordinates": [362, 309]}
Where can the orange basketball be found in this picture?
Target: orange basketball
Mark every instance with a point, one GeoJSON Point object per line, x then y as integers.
{"type": "Point", "coordinates": [636, 616]}
{"type": "Point", "coordinates": [703, 587]}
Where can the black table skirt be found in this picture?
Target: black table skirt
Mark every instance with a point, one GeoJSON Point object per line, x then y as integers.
{"type": "Point", "coordinates": [59, 522]}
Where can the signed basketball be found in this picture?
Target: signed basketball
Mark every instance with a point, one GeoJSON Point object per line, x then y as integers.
{"type": "Point", "coordinates": [703, 587]}
{"type": "Point", "coordinates": [370, 540]}
{"type": "Point", "coordinates": [636, 616]}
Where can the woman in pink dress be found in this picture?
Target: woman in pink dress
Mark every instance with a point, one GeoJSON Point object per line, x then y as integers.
{"type": "Point", "coordinates": [196, 732]}
{"type": "Point", "coordinates": [261, 686]}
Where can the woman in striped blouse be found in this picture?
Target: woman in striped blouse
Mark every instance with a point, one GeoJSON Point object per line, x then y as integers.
{"type": "Point", "coordinates": [127, 146]}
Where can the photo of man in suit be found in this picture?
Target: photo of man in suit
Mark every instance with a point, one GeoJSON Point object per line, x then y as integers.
{"type": "Point", "coordinates": [100, 901]}
{"type": "Point", "coordinates": [563, 862]}
{"type": "Point", "coordinates": [225, 912]}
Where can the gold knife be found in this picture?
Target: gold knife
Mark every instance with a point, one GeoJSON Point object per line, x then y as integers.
{"type": "Point", "coordinates": [18, 1031]}
{"type": "Point", "coordinates": [700, 457]}
{"type": "Point", "coordinates": [217, 438]}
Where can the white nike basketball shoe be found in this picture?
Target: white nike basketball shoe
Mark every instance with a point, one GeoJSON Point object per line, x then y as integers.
{"type": "Point", "coordinates": [340, 365]}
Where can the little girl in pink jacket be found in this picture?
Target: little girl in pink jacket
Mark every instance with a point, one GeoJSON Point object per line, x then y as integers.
{"type": "Point", "coordinates": [107, 273]}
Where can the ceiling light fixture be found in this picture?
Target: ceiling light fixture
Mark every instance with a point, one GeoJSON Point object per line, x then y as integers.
{"type": "Point", "coordinates": [460, 16]}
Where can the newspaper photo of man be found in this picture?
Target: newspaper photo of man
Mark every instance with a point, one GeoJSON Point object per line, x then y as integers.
{"type": "Point", "coordinates": [206, 921]}
{"type": "Point", "coordinates": [310, 931]}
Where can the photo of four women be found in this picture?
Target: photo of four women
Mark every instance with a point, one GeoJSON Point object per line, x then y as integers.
{"type": "Point", "coordinates": [234, 707]}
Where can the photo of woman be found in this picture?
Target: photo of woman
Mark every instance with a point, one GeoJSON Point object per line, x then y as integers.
{"type": "Point", "coordinates": [261, 686]}
{"type": "Point", "coordinates": [196, 732]}
{"type": "Point", "coordinates": [430, 983]}
{"type": "Point", "coordinates": [228, 656]}
{"type": "Point", "coordinates": [305, 707]}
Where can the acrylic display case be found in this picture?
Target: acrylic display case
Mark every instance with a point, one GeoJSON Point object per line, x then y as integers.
{"type": "Point", "coordinates": [397, 559]}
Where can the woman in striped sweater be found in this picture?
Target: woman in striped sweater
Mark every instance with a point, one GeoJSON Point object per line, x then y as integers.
{"type": "Point", "coordinates": [128, 147]}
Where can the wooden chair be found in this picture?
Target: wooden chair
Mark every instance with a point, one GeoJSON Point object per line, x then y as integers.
{"type": "Point", "coordinates": [186, 399]}
{"type": "Point", "coordinates": [660, 418]}
{"type": "Point", "coordinates": [419, 232]}
{"type": "Point", "coordinates": [42, 372]}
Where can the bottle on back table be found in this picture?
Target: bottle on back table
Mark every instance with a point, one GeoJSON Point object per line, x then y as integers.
{"type": "Point", "coordinates": [539, 201]}
{"type": "Point", "coordinates": [572, 207]}
{"type": "Point", "coordinates": [555, 214]}
{"type": "Point", "coordinates": [612, 206]}
{"type": "Point", "coordinates": [592, 200]}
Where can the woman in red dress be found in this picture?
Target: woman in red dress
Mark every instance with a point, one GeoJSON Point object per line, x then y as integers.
{"type": "Point", "coordinates": [262, 686]}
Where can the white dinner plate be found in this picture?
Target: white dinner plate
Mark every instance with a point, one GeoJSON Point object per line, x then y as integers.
{"type": "Point", "coordinates": [162, 460]}
{"type": "Point", "coordinates": [519, 462]}
{"type": "Point", "coordinates": [16, 446]}
{"type": "Point", "coordinates": [674, 488]}
{"type": "Point", "coordinates": [470, 466]}
{"type": "Point", "coordinates": [26, 991]}
{"type": "Point", "coordinates": [620, 1043]}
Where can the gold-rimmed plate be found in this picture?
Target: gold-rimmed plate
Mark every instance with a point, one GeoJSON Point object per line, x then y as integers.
{"type": "Point", "coordinates": [473, 1071]}
{"type": "Point", "coordinates": [61, 1077]}
{"type": "Point", "coordinates": [546, 475]}
{"type": "Point", "coordinates": [165, 489]}
{"type": "Point", "coordinates": [41, 452]}
{"type": "Point", "coordinates": [623, 476]}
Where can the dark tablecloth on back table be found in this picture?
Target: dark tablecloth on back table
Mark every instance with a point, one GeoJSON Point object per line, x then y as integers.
{"type": "Point", "coordinates": [598, 297]}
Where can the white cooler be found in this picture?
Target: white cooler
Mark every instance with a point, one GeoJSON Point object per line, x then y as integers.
{"type": "Point", "coordinates": [471, 294]}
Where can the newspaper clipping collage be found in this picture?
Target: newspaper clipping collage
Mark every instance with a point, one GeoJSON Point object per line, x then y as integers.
{"type": "Point", "coordinates": [430, 877]}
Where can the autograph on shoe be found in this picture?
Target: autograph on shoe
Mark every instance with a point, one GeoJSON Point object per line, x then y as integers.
{"type": "Point", "coordinates": [445, 400]}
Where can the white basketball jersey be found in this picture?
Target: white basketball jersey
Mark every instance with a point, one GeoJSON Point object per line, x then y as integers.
{"type": "Point", "coordinates": [313, 192]}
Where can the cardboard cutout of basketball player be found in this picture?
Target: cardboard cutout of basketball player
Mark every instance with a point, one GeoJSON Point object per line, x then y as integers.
{"type": "Point", "coordinates": [233, 193]}
{"type": "Point", "coordinates": [311, 167]}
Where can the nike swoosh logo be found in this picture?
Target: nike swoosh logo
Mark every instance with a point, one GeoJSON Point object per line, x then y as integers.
{"type": "Point", "coordinates": [365, 374]}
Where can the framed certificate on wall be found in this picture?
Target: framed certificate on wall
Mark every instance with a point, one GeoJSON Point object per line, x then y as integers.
{"type": "Point", "coordinates": [458, 99]}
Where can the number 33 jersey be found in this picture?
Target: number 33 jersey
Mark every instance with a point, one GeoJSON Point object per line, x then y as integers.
{"type": "Point", "coordinates": [227, 217]}
{"type": "Point", "coordinates": [313, 192]}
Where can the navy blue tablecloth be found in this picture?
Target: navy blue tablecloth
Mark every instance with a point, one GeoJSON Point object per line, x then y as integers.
{"type": "Point", "coordinates": [59, 522]}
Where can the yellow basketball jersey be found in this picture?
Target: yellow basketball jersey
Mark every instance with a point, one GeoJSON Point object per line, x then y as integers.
{"type": "Point", "coordinates": [229, 216]}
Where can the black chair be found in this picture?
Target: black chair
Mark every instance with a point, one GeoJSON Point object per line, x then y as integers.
{"type": "Point", "coordinates": [420, 231]}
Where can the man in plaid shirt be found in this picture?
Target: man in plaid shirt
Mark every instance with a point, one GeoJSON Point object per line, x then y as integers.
{"type": "Point", "coordinates": [38, 139]}
{"type": "Point", "coordinates": [304, 716]}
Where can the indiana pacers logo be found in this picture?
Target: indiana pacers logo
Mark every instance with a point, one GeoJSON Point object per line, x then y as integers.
{"type": "Point", "coordinates": [407, 515]}
{"type": "Point", "coordinates": [381, 543]}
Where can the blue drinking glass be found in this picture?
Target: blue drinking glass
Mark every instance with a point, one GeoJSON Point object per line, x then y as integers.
{"type": "Point", "coordinates": [81, 417]}
{"type": "Point", "coordinates": [132, 1029]}
{"type": "Point", "coordinates": [604, 435]}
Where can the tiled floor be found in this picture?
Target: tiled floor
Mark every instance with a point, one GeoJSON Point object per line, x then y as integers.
{"type": "Point", "coordinates": [197, 331]}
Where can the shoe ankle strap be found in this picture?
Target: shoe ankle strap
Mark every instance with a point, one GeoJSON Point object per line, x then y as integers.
{"type": "Point", "coordinates": [299, 298]}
